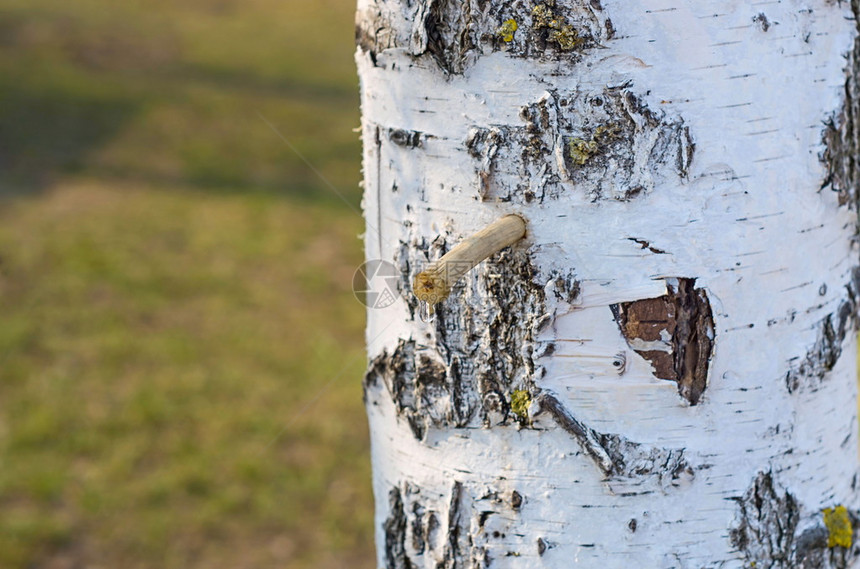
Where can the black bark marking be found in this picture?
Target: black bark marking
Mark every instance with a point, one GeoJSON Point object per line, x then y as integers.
{"type": "Point", "coordinates": [841, 134]}
{"type": "Point", "coordinates": [481, 347]}
{"type": "Point", "coordinates": [516, 500]}
{"type": "Point", "coordinates": [419, 531]}
{"type": "Point", "coordinates": [644, 244]}
{"type": "Point", "coordinates": [483, 144]}
{"type": "Point", "coordinates": [414, 534]}
{"type": "Point", "coordinates": [366, 42]}
{"type": "Point", "coordinates": [550, 29]}
{"type": "Point", "coordinates": [768, 520]}
{"type": "Point", "coordinates": [433, 526]}
{"type": "Point", "coordinates": [566, 289]}
{"type": "Point", "coordinates": [395, 533]}
{"type": "Point", "coordinates": [841, 139]}
{"type": "Point", "coordinates": [616, 456]}
{"type": "Point", "coordinates": [810, 371]}
{"type": "Point", "coordinates": [425, 392]}
{"type": "Point", "coordinates": [455, 33]}
{"type": "Point", "coordinates": [376, 30]}
{"type": "Point", "coordinates": [452, 545]}
{"type": "Point", "coordinates": [761, 21]}
{"type": "Point", "coordinates": [674, 332]}
{"type": "Point", "coordinates": [772, 533]}
{"type": "Point", "coordinates": [462, 549]}
{"type": "Point", "coordinates": [607, 144]}
{"type": "Point", "coordinates": [406, 138]}
{"type": "Point", "coordinates": [447, 25]}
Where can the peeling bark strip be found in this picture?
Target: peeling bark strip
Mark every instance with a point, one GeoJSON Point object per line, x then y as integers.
{"type": "Point", "coordinates": [832, 330]}
{"type": "Point", "coordinates": [615, 455]}
{"type": "Point", "coordinates": [772, 533]}
{"type": "Point", "coordinates": [455, 34]}
{"type": "Point", "coordinates": [607, 144]}
{"type": "Point", "coordinates": [674, 332]}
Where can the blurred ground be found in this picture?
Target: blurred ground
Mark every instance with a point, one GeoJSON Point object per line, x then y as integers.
{"type": "Point", "coordinates": [175, 287]}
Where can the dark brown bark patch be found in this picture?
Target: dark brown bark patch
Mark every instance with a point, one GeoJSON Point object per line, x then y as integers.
{"type": "Point", "coordinates": [675, 333]}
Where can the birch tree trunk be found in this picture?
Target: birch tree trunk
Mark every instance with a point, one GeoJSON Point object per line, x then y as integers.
{"type": "Point", "coordinates": [663, 372]}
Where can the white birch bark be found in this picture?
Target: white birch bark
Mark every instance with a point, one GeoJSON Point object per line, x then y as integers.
{"type": "Point", "coordinates": [663, 373]}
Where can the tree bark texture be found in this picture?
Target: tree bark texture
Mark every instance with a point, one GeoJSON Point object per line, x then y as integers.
{"type": "Point", "coordinates": [663, 372]}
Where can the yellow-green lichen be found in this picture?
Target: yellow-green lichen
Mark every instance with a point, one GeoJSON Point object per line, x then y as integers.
{"type": "Point", "coordinates": [582, 150]}
{"type": "Point", "coordinates": [560, 32]}
{"type": "Point", "coordinates": [838, 523]}
{"type": "Point", "coordinates": [543, 17]}
{"type": "Point", "coordinates": [606, 132]}
{"type": "Point", "coordinates": [566, 37]}
{"type": "Point", "coordinates": [520, 401]}
{"type": "Point", "coordinates": [506, 30]}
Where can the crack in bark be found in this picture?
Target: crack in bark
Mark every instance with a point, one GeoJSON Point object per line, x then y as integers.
{"type": "Point", "coordinates": [675, 333]}
{"type": "Point", "coordinates": [645, 244]}
{"type": "Point", "coordinates": [615, 456]}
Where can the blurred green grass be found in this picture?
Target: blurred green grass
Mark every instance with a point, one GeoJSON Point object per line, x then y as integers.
{"type": "Point", "coordinates": [174, 287]}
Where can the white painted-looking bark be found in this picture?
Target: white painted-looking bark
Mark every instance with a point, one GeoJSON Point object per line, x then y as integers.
{"type": "Point", "coordinates": [670, 149]}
